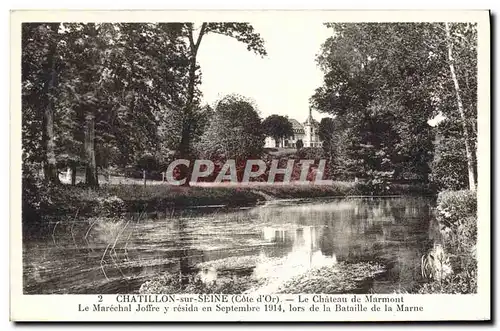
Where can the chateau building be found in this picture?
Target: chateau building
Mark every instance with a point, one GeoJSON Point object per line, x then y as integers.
{"type": "Point", "coordinates": [307, 132]}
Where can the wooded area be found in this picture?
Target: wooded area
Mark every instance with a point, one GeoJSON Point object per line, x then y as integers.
{"type": "Point", "coordinates": [108, 95]}
{"type": "Point", "coordinates": [126, 95]}
{"type": "Point", "coordinates": [384, 82]}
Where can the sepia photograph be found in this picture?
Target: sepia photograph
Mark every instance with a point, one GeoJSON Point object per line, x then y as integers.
{"type": "Point", "coordinates": [257, 157]}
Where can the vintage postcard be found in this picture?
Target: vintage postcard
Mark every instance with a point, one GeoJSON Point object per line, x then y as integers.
{"type": "Point", "coordinates": [250, 166]}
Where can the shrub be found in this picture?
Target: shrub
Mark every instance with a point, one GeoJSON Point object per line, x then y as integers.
{"type": "Point", "coordinates": [449, 167]}
{"type": "Point", "coordinates": [109, 206]}
{"type": "Point", "coordinates": [453, 206]}
{"type": "Point", "coordinates": [35, 195]}
{"type": "Point", "coordinates": [464, 282]}
{"type": "Point", "coordinates": [310, 153]}
{"type": "Point", "coordinates": [41, 198]}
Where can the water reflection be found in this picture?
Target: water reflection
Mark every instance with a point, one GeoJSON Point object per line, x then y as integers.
{"type": "Point", "coordinates": [303, 241]}
{"type": "Point", "coordinates": [277, 241]}
{"type": "Point", "coordinates": [375, 230]}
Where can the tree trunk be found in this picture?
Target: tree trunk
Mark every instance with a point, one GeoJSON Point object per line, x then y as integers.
{"type": "Point", "coordinates": [68, 174]}
{"type": "Point", "coordinates": [73, 174]}
{"type": "Point", "coordinates": [96, 170]}
{"type": "Point", "coordinates": [50, 166]}
{"type": "Point", "coordinates": [89, 145]}
{"type": "Point", "coordinates": [144, 177]}
{"type": "Point", "coordinates": [91, 179]}
{"type": "Point", "coordinates": [468, 148]}
{"type": "Point", "coordinates": [184, 151]}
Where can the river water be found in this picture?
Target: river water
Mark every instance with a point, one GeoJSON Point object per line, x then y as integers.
{"type": "Point", "coordinates": [85, 256]}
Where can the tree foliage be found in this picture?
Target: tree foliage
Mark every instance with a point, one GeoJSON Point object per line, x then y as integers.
{"type": "Point", "coordinates": [101, 95]}
{"type": "Point", "coordinates": [244, 33]}
{"type": "Point", "coordinates": [277, 126]}
{"type": "Point", "coordinates": [384, 82]}
{"type": "Point", "coordinates": [116, 82]}
{"type": "Point", "coordinates": [234, 132]}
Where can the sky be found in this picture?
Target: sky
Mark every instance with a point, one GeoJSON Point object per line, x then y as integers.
{"type": "Point", "coordinates": [280, 83]}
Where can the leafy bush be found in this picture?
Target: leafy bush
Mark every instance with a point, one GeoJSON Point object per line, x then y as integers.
{"type": "Point", "coordinates": [41, 198]}
{"type": "Point", "coordinates": [299, 144]}
{"type": "Point", "coordinates": [464, 282]}
{"type": "Point", "coordinates": [35, 195]}
{"type": "Point", "coordinates": [109, 206]}
{"type": "Point", "coordinates": [310, 153]}
{"type": "Point", "coordinates": [456, 215]}
{"type": "Point", "coordinates": [449, 167]}
{"type": "Point", "coordinates": [378, 182]}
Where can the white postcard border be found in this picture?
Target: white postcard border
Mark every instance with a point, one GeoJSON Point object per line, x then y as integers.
{"type": "Point", "coordinates": [436, 307]}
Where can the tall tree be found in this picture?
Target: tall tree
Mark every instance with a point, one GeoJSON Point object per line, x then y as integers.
{"type": "Point", "coordinates": [334, 136]}
{"type": "Point", "coordinates": [460, 108]}
{"type": "Point", "coordinates": [278, 127]}
{"type": "Point", "coordinates": [122, 83]}
{"type": "Point", "coordinates": [242, 32]}
{"type": "Point", "coordinates": [50, 167]}
{"type": "Point", "coordinates": [39, 75]}
{"type": "Point", "coordinates": [235, 132]}
{"type": "Point", "coordinates": [386, 81]}
{"type": "Point", "coordinates": [123, 89]}
{"type": "Point", "coordinates": [85, 63]}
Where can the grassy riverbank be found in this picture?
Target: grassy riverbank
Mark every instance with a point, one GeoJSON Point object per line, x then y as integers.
{"type": "Point", "coordinates": [114, 199]}
{"type": "Point", "coordinates": [342, 189]}
{"type": "Point", "coordinates": [110, 200]}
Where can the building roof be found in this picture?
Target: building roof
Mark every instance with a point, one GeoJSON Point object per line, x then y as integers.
{"type": "Point", "coordinates": [310, 120]}
{"type": "Point", "coordinates": [297, 127]}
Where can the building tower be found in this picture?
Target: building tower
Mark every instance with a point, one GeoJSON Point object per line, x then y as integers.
{"type": "Point", "coordinates": [309, 130]}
